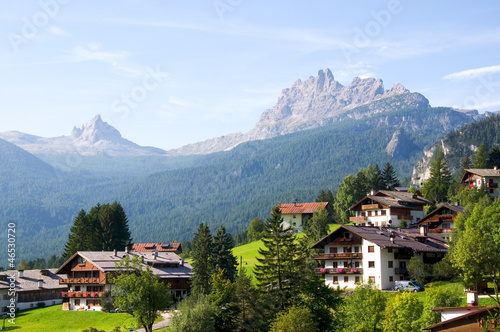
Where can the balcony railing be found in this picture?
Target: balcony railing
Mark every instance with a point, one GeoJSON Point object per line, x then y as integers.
{"type": "Point", "coordinates": [401, 270]}
{"type": "Point", "coordinates": [81, 281]}
{"type": "Point", "coordinates": [339, 270]}
{"type": "Point", "coordinates": [355, 219]}
{"type": "Point", "coordinates": [345, 255]}
{"type": "Point", "coordinates": [403, 256]}
{"type": "Point", "coordinates": [441, 230]}
{"type": "Point", "coordinates": [492, 185]}
{"type": "Point", "coordinates": [82, 294]}
{"type": "Point", "coordinates": [370, 207]}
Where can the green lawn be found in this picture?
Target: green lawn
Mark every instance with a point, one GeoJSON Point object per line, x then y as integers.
{"type": "Point", "coordinates": [54, 319]}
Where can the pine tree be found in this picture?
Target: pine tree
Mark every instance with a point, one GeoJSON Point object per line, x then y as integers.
{"type": "Point", "coordinates": [202, 260]}
{"type": "Point", "coordinates": [481, 159]}
{"type": "Point", "coordinates": [78, 238]}
{"type": "Point", "coordinates": [375, 179]}
{"type": "Point", "coordinates": [223, 257]}
{"type": "Point", "coordinates": [277, 270]}
{"type": "Point", "coordinates": [362, 186]}
{"type": "Point", "coordinates": [113, 222]}
{"type": "Point", "coordinates": [436, 188]}
{"type": "Point", "coordinates": [389, 177]}
{"type": "Point", "coordinates": [318, 226]}
{"type": "Point", "coordinates": [494, 157]}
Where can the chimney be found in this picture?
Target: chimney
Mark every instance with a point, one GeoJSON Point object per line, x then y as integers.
{"type": "Point", "coordinates": [457, 203]}
{"type": "Point", "coordinates": [21, 273]}
{"type": "Point", "coordinates": [495, 168]}
{"type": "Point", "coordinates": [126, 249]}
{"type": "Point", "coordinates": [155, 254]}
{"type": "Point", "coordinates": [40, 283]}
{"type": "Point", "coordinates": [181, 261]}
{"type": "Point", "coordinates": [423, 229]}
{"type": "Point", "coordinates": [472, 300]}
{"type": "Point", "coordinates": [115, 252]}
{"type": "Point", "coordinates": [391, 237]}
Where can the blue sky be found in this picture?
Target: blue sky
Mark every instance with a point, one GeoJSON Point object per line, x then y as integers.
{"type": "Point", "coordinates": [169, 73]}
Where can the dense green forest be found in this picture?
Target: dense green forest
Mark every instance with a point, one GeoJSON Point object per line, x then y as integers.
{"type": "Point", "coordinates": [229, 188]}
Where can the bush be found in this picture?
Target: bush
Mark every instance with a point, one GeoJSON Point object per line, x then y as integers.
{"type": "Point", "coordinates": [40, 305]}
{"type": "Point", "coordinates": [296, 319]}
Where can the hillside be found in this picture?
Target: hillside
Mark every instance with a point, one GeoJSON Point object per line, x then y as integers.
{"type": "Point", "coordinates": [460, 143]}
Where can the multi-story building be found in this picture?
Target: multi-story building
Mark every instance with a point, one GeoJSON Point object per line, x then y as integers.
{"type": "Point", "coordinates": [389, 208]}
{"type": "Point", "coordinates": [479, 177]}
{"type": "Point", "coordinates": [88, 271]}
{"type": "Point", "coordinates": [31, 288]}
{"type": "Point", "coordinates": [355, 254]}
{"type": "Point", "coordinates": [296, 214]}
{"type": "Point", "coordinates": [442, 220]}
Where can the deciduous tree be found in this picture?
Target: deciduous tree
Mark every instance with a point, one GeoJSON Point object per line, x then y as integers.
{"type": "Point", "coordinates": [402, 314]}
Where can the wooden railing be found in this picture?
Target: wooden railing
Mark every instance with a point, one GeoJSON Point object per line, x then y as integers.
{"type": "Point", "coordinates": [370, 207]}
{"type": "Point", "coordinates": [82, 294]}
{"type": "Point", "coordinates": [345, 255]}
{"type": "Point", "coordinates": [81, 281]}
{"type": "Point", "coordinates": [340, 270]}
{"type": "Point", "coordinates": [401, 270]}
{"type": "Point", "coordinates": [361, 218]}
{"type": "Point", "coordinates": [403, 256]}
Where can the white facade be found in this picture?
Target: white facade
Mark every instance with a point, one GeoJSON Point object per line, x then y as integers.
{"type": "Point", "coordinates": [385, 217]}
{"type": "Point", "coordinates": [294, 221]}
{"type": "Point", "coordinates": [85, 297]}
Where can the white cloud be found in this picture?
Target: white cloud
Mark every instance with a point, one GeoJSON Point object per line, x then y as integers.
{"type": "Point", "coordinates": [57, 31]}
{"type": "Point", "coordinates": [473, 73]}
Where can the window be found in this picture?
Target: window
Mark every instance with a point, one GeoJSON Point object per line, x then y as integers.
{"type": "Point", "coordinates": [356, 280]}
{"type": "Point", "coordinates": [6, 297]}
{"type": "Point", "coordinates": [372, 279]}
{"type": "Point", "coordinates": [356, 249]}
{"type": "Point", "coordinates": [294, 216]}
{"type": "Point", "coordinates": [4, 309]}
{"type": "Point", "coordinates": [31, 305]}
{"type": "Point", "coordinates": [371, 264]}
{"type": "Point", "coordinates": [389, 263]}
{"type": "Point", "coordinates": [383, 212]}
{"type": "Point", "coordinates": [334, 265]}
{"type": "Point", "coordinates": [389, 250]}
{"type": "Point", "coordinates": [391, 278]}
{"type": "Point", "coordinates": [401, 278]}
{"type": "Point", "coordinates": [335, 279]}
{"type": "Point", "coordinates": [346, 264]}
{"type": "Point", "coordinates": [81, 260]}
{"type": "Point", "coordinates": [356, 264]}
{"type": "Point", "coordinates": [77, 302]}
{"type": "Point", "coordinates": [77, 288]}
{"type": "Point", "coordinates": [371, 248]}
{"type": "Point", "coordinates": [346, 279]}
{"type": "Point", "coordinates": [294, 223]}
{"type": "Point", "coordinates": [491, 191]}
{"type": "Point", "coordinates": [333, 250]}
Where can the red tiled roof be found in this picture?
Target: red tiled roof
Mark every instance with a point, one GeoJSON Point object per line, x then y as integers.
{"type": "Point", "coordinates": [148, 247]}
{"type": "Point", "coordinates": [299, 208]}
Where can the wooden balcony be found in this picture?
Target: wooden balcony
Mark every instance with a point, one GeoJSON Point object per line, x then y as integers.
{"type": "Point", "coordinates": [401, 270]}
{"type": "Point", "coordinates": [403, 256]}
{"type": "Point", "coordinates": [345, 255]}
{"type": "Point", "coordinates": [82, 294]}
{"type": "Point", "coordinates": [440, 230]}
{"type": "Point", "coordinates": [370, 207]}
{"type": "Point", "coordinates": [81, 281]}
{"type": "Point", "coordinates": [356, 219]}
{"type": "Point", "coordinates": [340, 270]}
{"type": "Point", "coordinates": [492, 185]}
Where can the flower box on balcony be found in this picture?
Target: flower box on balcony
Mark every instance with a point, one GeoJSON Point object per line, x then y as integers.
{"type": "Point", "coordinates": [70, 294]}
{"type": "Point", "coordinates": [354, 271]}
{"type": "Point", "coordinates": [95, 295]}
{"type": "Point", "coordinates": [323, 270]}
{"type": "Point", "coordinates": [340, 270]}
{"type": "Point", "coordinates": [64, 294]}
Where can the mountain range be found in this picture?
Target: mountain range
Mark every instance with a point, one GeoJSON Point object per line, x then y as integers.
{"type": "Point", "coordinates": [318, 132]}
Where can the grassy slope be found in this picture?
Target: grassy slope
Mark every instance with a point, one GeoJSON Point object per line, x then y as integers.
{"type": "Point", "coordinates": [55, 319]}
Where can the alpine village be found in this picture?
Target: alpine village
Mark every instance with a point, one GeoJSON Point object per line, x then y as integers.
{"type": "Point", "coordinates": [375, 217]}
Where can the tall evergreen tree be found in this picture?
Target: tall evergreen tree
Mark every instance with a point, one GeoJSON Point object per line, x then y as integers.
{"type": "Point", "coordinates": [375, 178]}
{"type": "Point", "coordinates": [223, 257]}
{"type": "Point", "coordinates": [276, 270]}
{"type": "Point", "coordinates": [202, 260]}
{"type": "Point", "coordinates": [362, 186]}
{"type": "Point", "coordinates": [436, 188]}
{"type": "Point", "coordinates": [317, 227]}
{"type": "Point", "coordinates": [113, 222]}
{"type": "Point", "coordinates": [494, 157]}
{"type": "Point", "coordinates": [79, 236]}
{"type": "Point", "coordinates": [481, 158]}
{"type": "Point", "coordinates": [344, 199]}
{"type": "Point", "coordinates": [389, 177]}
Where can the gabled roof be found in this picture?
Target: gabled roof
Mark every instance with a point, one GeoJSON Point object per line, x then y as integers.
{"type": "Point", "coordinates": [482, 172]}
{"type": "Point", "coordinates": [455, 208]}
{"type": "Point", "coordinates": [403, 238]}
{"type": "Point", "coordinates": [301, 208]}
{"type": "Point", "coordinates": [394, 199]}
{"type": "Point", "coordinates": [465, 319]}
{"type": "Point", "coordinates": [29, 281]}
{"type": "Point", "coordinates": [166, 264]}
{"type": "Point", "coordinates": [161, 247]}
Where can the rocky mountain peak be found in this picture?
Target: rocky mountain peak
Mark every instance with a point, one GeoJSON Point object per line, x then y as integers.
{"type": "Point", "coordinates": [96, 130]}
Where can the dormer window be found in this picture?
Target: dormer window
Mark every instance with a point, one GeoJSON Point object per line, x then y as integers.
{"type": "Point", "coordinates": [81, 260]}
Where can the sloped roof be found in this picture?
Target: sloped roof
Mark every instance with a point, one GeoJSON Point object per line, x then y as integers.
{"type": "Point", "coordinates": [106, 261]}
{"type": "Point", "coordinates": [483, 172]}
{"type": "Point", "coordinates": [467, 318]}
{"type": "Point", "coordinates": [394, 199]}
{"type": "Point", "coordinates": [403, 238]}
{"type": "Point", "coordinates": [162, 247]}
{"type": "Point", "coordinates": [454, 208]}
{"type": "Point", "coordinates": [29, 281]}
{"type": "Point", "coordinates": [300, 208]}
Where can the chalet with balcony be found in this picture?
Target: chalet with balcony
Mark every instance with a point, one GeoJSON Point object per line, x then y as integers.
{"type": "Point", "coordinates": [487, 178]}
{"type": "Point", "coordinates": [441, 221]}
{"type": "Point", "coordinates": [174, 247]}
{"type": "Point", "coordinates": [389, 208]}
{"type": "Point", "coordinates": [355, 254]}
{"type": "Point", "coordinates": [296, 214]}
{"type": "Point", "coordinates": [31, 287]}
{"type": "Point", "coordinates": [88, 275]}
